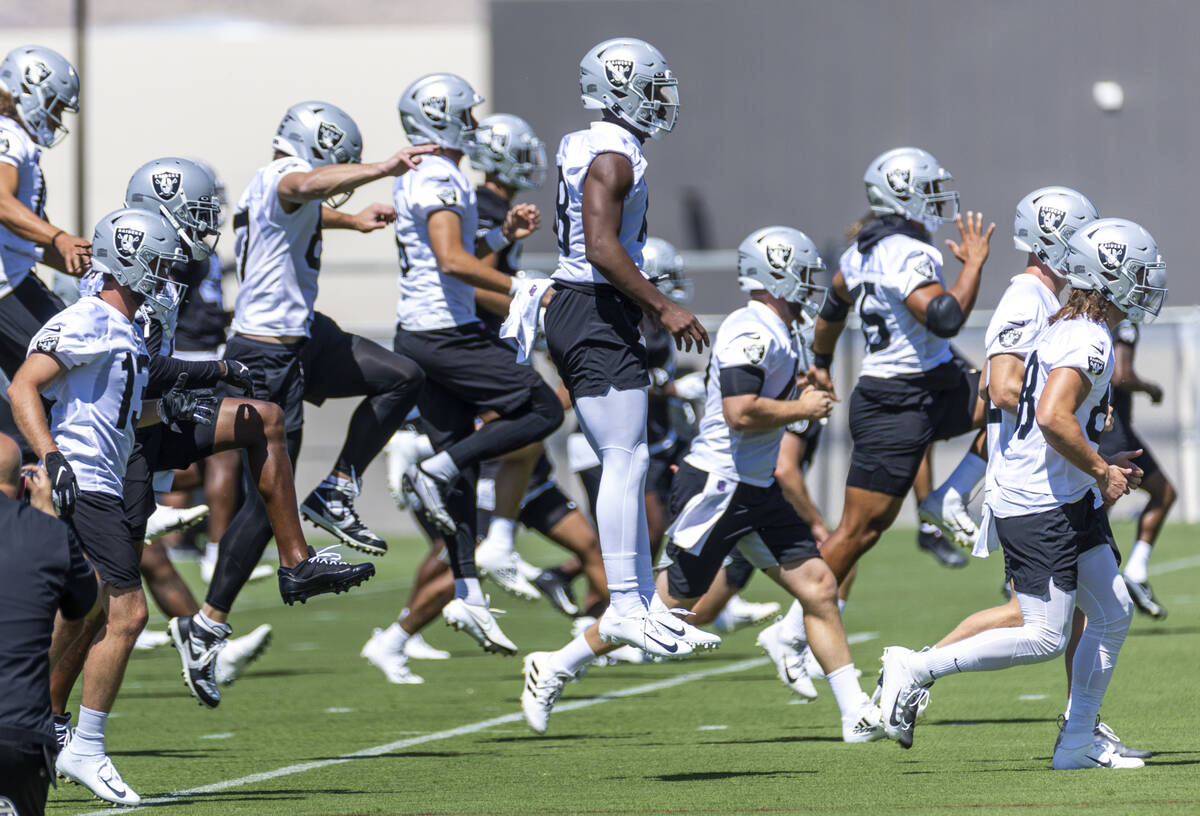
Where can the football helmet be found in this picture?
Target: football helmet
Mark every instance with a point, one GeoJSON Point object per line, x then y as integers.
{"type": "Point", "coordinates": [219, 186]}
{"type": "Point", "coordinates": [663, 266]}
{"type": "Point", "coordinates": [140, 250]}
{"type": "Point", "coordinates": [43, 85]}
{"type": "Point", "coordinates": [436, 109]}
{"type": "Point", "coordinates": [320, 134]}
{"type": "Point", "coordinates": [507, 146]}
{"type": "Point", "coordinates": [782, 261]}
{"type": "Point", "coordinates": [909, 181]}
{"type": "Point", "coordinates": [1047, 218]}
{"type": "Point", "coordinates": [186, 195]}
{"type": "Point", "coordinates": [1121, 259]}
{"type": "Point", "coordinates": [630, 79]}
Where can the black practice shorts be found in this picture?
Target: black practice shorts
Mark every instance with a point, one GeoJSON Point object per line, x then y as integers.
{"type": "Point", "coordinates": [106, 535]}
{"type": "Point", "coordinates": [278, 375]}
{"type": "Point", "coordinates": [24, 311]}
{"type": "Point", "coordinates": [753, 510]}
{"type": "Point", "coordinates": [1046, 546]}
{"type": "Point", "coordinates": [659, 475]}
{"type": "Point", "coordinates": [593, 337]}
{"type": "Point", "coordinates": [1123, 437]}
{"type": "Point", "coordinates": [737, 570]}
{"type": "Point", "coordinates": [892, 422]}
{"type": "Point", "coordinates": [544, 507]}
{"type": "Point", "coordinates": [24, 778]}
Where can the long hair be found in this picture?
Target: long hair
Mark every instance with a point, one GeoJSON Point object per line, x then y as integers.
{"type": "Point", "coordinates": [1089, 303]}
{"type": "Point", "coordinates": [854, 229]}
{"type": "Point", "coordinates": [8, 106]}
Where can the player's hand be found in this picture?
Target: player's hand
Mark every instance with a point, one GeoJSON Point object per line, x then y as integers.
{"type": "Point", "coordinates": [820, 378]}
{"type": "Point", "coordinates": [683, 326]}
{"type": "Point", "coordinates": [1155, 392]}
{"type": "Point", "coordinates": [406, 159]}
{"type": "Point", "coordinates": [180, 404]}
{"type": "Point", "coordinates": [76, 253]}
{"type": "Point", "coordinates": [374, 216]}
{"type": "Point", "coordinates": [37, 488]}
{"type": "Point", "coordinates": [1120, 477]}
{"type": "Point", "coordinates": [238, 375]}
{"type": "Point", "coordinates": [521, 221]}
{"type": "Point", "coordinates": [974, 247]}
{"type": "Point", "coordinates": [815, 403]}
{"type": "Point", "coordinates": [64, 487]}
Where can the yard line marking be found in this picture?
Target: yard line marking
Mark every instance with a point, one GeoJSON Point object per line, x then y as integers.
{"type": "Point", "coordinates": [1033, 696]}
{"type": "Point", "coordinates": [712, 728]}
{"type": "Point", "coordinates": [225, 735]}
{"type": "Point", "coordinates": [1174, 566]}
{"type": "Point", "coordinates": [462, 730]}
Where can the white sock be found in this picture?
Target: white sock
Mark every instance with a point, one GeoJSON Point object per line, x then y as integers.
{"type": "Point", "coordinates": [841, 606]}
{"type": "Point", "coordinates": [967, 476]}
{"type": "Point", "coordinates": [502, 532]}
{"type": "Point", "coordinates": [927, 528]}
{"type": "Point", "coordinates": [575, 655]}
{"type": "Point", "coordinates": [210, 551]}
{"type": "Point", "coordinates": [222, 629]}
{"type": "Point", "coordinates": [846, 691]}
{"type": "Point", "coordinates": [1067, 710]}
{"type": "Point", "coordinates": [394, 637]}
{"type": "Point", "coordinates": [424, 446]}
{"type": "Point", "coordinates": [791, 629]}
{"type": "Point", "coordinates": [441, 467]}
{"type": "Point", "coordinates": [1139, 559]}
{"type": "Point", "coordinates": [470, 591]}
{"type": "Point", "coordinates": [89, 734]}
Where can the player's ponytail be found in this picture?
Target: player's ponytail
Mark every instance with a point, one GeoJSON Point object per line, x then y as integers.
{"type": "Point", "coordinates": [1089, 303]}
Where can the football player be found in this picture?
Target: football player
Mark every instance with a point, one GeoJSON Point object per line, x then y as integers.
{"type": "Point", "coordinates": [1049, 488]}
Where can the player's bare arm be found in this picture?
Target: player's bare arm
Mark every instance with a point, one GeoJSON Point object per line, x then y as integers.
{"type": "Point", "coordinates": [521, 221]}
{"type": "Point", "coordinates": [445, 239]}
{"type": "Point", "coordinates": [335, 179]}
{"type": "Point", "coordinates": [973, 252]}
{"type": "Point", "coordinates": [609, 180]}
{"type": "Point", "coordinates": [751, 412]}
{"type": "Point", "coordinates": [790, 475]}
{"type": "Point", "coordinates": [372, 217]}
{"type": "Point", "coordinates": [34, 376]}
{"type": "Point", "coordinates": [1006, 373]}
{"type": "Point", "coordinates": [65, 252]}
{"type": "Point", "coordinates": [1125, 377]}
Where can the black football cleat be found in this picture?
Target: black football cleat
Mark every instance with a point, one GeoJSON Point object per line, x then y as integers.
{"type": "Point", "coordinates": [331, 507]}
{"type": "Point", "coordinates": [941, 549]}
{"type": "Point", "coordinates": [1143, 598]}
{"type": "Point", "coordinates": [557, 589]}
{"type": "Point", "coordinates": [320, 573]}
{"type": "Point", "coordinates": [198, 647]}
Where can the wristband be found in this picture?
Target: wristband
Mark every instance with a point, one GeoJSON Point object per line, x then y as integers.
{"type": "Point", "coordinates": [55, 238]}
{"type": "Point", "coordinates": [822, 360]}
{"type": "Point", "coordinates": [495, 240]}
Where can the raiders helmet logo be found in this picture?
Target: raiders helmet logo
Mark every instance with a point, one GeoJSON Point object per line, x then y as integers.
{"type": "Point", "coordinates": [1050, 219]}
{"type": "Point", "coordinates": [898, 180]}
{"type": "Point", "coordinates": [328, 136]}
{"type": "Point", "coordinates": [36, 73]}
{"type": "Point", "coordinates": [129, 241]}
{"type": "Point", "coordinates": [779, 255]}
{"type": "Point", "coordinates": [434, 108]}
{"type": "Point", "coordinates": [166, 184]}
{"type": "Point", "coordinates": [448, 196]}
{"type": "Point", "coordinates": [47, 342]}
{"type": "Point", "coordinates": [1010, 337]}
{"type": "Point", "coordinates": [1096, 366]}
{"type": "Point", "coordinates": [1111, 254]}
{"type": "Point", "coordinates": [618, 72]}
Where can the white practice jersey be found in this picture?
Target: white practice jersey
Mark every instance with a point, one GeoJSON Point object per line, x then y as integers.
{"type": "Point", "coordinates": [1032, 477]}
{"type": "Point", "coordinates": [17, 255]}
{"type": "Point", "coordinates": [575, 155]}
{"type": "Point", "coordinates": [1020, 316]}
{"type": "Point", "coordinates": [897, 343]}
{"type": "Point", "coordinates": [429, 298]}
{"type": "Point", "coordinates": [98, 399]}
{"type": "Point", "coordinates": [755, 337]}
{"type": "Point", "coordinates": [278, 256]}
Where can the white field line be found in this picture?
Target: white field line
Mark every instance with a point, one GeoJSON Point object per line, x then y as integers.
{"type": "Point", "coordinates": [1174, 566]}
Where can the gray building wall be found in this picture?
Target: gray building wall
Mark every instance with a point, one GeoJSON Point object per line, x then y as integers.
{"type": "Point", "coordinates": [784, 103]}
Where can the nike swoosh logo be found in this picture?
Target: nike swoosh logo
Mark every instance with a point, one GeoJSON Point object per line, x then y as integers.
{"type": "Point", "coordinates": [676, 632]}
{"type": "Point", "coordinates": [1103, 763]}
{"type": "Point", "coordinates": [118, 791]}
{"type": "Point", "coordinates": [670, 647]}
{"type": "Point", "coordinates": [787, 671]}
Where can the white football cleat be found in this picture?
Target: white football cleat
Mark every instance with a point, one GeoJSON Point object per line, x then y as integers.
{"type": "Point", "coordinates": [865, 726]}
{"type": "Point", "coordinates": [1099, 753]}
{"type": "Point", "coordinates": [173, 520]}
{"type": "Point", "coordinates": [151, 639]}
{"type": "Point", "coordinates": [477, 621]}
{"type": "Point", "coordinates": [900, 695]}
{"type": "Point", "coordinates": [945, 509]}
{"type": "Point", "coordinates": [644, 631]}
{"type": "Point", "coordinates": [502, 566]}
{"type": "Point", "coordinates": [96, 773]}
{"type": "Point", "coordinates": [417, 648]}
{"type": "Point", "coordinates": [625, 654]}
{"type": "Point", "coordinates": [673, 621]}
{"type": "Point", "coordinates": [581, 624]}
{"type": "Point", "coordinates": [402, 451]}
{"type": "Point", "coordinates": [788, 660]}
{"type": "Point", "coordinates": [544, 681]}
{"type": "Point", "coordinates": [240, 652]}
{"type": "Point", "coordinates": [424, 495]}
{"type": "Point", "coordinates": [393, 664]}
{"type": "Point", "coordinates": [739, 612]}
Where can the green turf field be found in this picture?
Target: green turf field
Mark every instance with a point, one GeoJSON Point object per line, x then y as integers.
{"type": "Point", "coordinates": [714, 734]}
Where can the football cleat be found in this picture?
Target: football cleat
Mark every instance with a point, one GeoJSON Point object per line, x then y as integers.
{"type": "Point", "coordinates": [417, 648]}
{"type": "Point", "coordinates": [557, 589]}
{"type": "Point", "coordinates": [934, 543]}
{"type": "Point", "coordinates": [866, 725]}
{"type": "Point", "coordinates": [239, 653]}
{"type": "Point", "coordinates": [788, 660]}
{"type": "Point", "coordinates": [478, 622]}
{"type": "Point", "coordinates": [1096, 754]}
{"type": "Point", "coordinates": [623, 654]}
{"type": "Point", "coordinates": [673, 621]}
{"type": "Point", "coordinates": [1102, 731]}
{"type": "Point", "coordinates": [321, 572]}
{"type": "Point", "coordinates": [544, 682]}
{"type": "Point", "coordinates": [424, 494]}
{"type": "Point", "coordinates": [645, 631]}
{"type": "Point", "coordinates": [63, 731]}
{"type": "Point", "coordinates": [945, 509]}
{"type": "Point", "coordinates": [499, 564]}
{"type": "Point", "coordinates": [900, 695]}
{"type": "Point", "coordinates": [173, 520]}
{"type": "Point", "coordinates": [1143, 598]}
{"type": "Point", "coordinates": [96, 773]}
{"type": "Point", "coordinates": [403, 451]}
{"type": "Point", "coordinates": [738, 613]}
{"type": "Point", "coordinates": [331, 508]}
{"type": "Point", "coordinates": [150, 639]}
{"type": "Point", "coordinates": [393, 664]}
{"type": "Point", "coordinates": [198, 647]}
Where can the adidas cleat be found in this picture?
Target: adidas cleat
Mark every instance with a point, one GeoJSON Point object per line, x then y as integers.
{"type": "Point", "coordinates": [322, 572]}
{"type": "Point", "coordinates": [865, 726]}
{"type": "Point", "coordinates": [543, 684]}
{"type": "Point", "coordinates": [331, 508]}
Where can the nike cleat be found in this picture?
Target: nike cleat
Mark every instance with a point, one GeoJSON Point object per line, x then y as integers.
{"type": "Point", "coordinates": [1096, 754]}
{"type": "Point", "coordinates": [644, 631]}
{"type": "Point", "coordinates": [96, 773]}
{"type": "Point", "coordinates": [478, 622]}
{"type": "Point", "coordinates": [788, 660]}
{"type": "Point", "coordinates": [173, 520]}
{"type": "Point", "coordinates": [1102, 731]}
{"type": "Point", "coordinates": [331, 507]}
{"type": "Point", "coordinates": [674, 621]}
{"type": "Point", "coordinates": [417, 648]}
{"type": "Point", "coordinates": [402, 451]}
{"type": "Point", "coordinates": [738, 613]}
{"type": "Point", "coordinates": [321, 572]}
{"type": "Point", "coordinates": [900, 695]}
{"type": "Point", "coordinates": [557, 589]}
{"type": "Point", "coordinates": [544, 682]}
{"type": "Point", "coordinates": [393, 663]}
{"type": "Point", "coordinates": [501, 566]}
{"type": "Point", "coordinates": [198, 646]}
{"type": "Point", "coordinates": [424, 495]}
{"type": "Point", "coordinates": [934, 543]}
{"type": "Point", "coordinates": [1143, 598]}
{"type": "Point", "coordinates": [945, 508]}
{"type": "Point", "coordinates": [149, 639]}
{"type": "Point", "coordinates": [241, 652]}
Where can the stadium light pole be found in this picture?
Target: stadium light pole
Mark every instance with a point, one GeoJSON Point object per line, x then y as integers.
{"type": "Point", "coordinates": [80, 14]}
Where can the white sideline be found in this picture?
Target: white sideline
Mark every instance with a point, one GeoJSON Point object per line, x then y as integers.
{"type": "Point", "coordinates": [1174, 566]}
{"type": "Point", "coordinates": [462, 730]}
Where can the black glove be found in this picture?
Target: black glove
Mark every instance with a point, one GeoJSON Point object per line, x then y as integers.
{"type": "Point", "coordinates": [179, 404]}
{"type": "Point", "coordinates": [62, 482]}
{"type": "Point", "coordinates": [238, 375]}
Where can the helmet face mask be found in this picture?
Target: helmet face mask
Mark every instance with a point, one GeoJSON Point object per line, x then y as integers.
{"type": "Point", "coordinates": [44, 86]}
{"type": "Point", "coordinates": [506, 146]}
{"type": "Point", "coordinates": [662, 265]}
{"type": "Point", "coordinates": [140, 250]}
{"type": "Point", "coordinates": [783, 262]}
{"type": "Point", "coordinates": [1121, 259]}
{"type": "Point", "coordinates": [1046, 219]}
{"type": "Point", "coordinates": [436, 109]}
{"type": "Point", "coordinates": [183, 192]}
{"type": "Point", "coordinates": [631, 80]}
{"type": "Point", "coordinates": [910, 182]}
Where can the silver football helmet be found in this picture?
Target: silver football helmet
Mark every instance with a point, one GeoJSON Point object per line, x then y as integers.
{"type": "Point", "coordinates": [630, 79]}
{"type": "Point", "coordinates": [436, 109]}
{"type": "Point", "coordinates": [909, 181]}
{"type": "Point", "coordinates": [1047, 218]}
{"type": "Point", "coordinates": [185, 194]}
{"type": "Point", "coordinates": [140, 250]}
{"type": "Point", "coordinates": [219, 186]}
{"type": "Point", "coordinates": [782, 261]}
{"type": "Point", "coordinates": [507, 146]}
{"type": "Point", "coordinates": [320, 134]}
{"type": "Point", "coordinates": [662, 265]}
{"type": "Point", "coordinates": [44, 86]}
{"type": "Point", "coordinates": [1121, 259]}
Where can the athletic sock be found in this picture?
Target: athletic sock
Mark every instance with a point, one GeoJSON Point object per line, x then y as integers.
{"type": "Point", "coordinates": [394, 637]}
{"type": "Point", "coordinates": [575, 655]}
{"type": "Point", "coordinates": [1066, 715]}
{"type": "Point", "coordinates": [846, 690]}
{"type": "Point", "coordinates": [441, 467]}
{"type": "Point", "coordinates": [501, 533]}
{"type": "Point", "coordinates": [210, 551]}
{"type": "Point", "coordinates": [1139, 559]}
{"type": "Point", "coordinates": [89, 734]}
{"type": "Point", "coordinates": [791, 629]}
{"type": "Point", "coordinates": [967, 476]}
{"type": "Point", "coordinates": [222, 630]}
{"type": "Point", "coordinates": [470, 591]}
{"type": "Point", "coordinates": [627, 602]}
